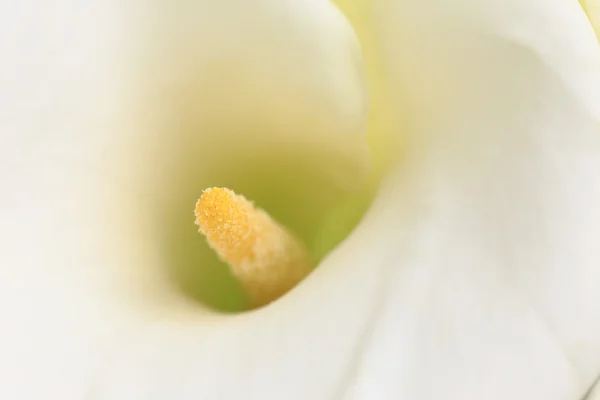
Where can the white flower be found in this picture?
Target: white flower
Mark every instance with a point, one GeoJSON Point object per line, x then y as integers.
{"type": "Point", "coordinates": [475, 273]}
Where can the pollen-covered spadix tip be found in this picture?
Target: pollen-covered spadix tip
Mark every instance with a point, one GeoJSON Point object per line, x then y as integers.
{"type": "Point", "coordinates": [264, 256]}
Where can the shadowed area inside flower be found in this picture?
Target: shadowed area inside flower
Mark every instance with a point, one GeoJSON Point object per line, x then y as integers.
{"type": "Point", "coordinates": [267, 120]}
{"type": "Point", "coordinates": [264, 256]}
{"type": "Point", "coordinates": [291, 190]}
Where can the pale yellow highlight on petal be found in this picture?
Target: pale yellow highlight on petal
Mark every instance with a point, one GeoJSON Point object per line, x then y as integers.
{"type": "Point", "coordinates": [592, 9]}
{"type": "Point", "coordinates": [383, 116]}
{"type": "Point", "coordinates": [266, 258]}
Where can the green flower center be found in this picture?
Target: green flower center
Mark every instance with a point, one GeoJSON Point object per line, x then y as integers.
{"type": "Point", "coordinates": [290, 188]}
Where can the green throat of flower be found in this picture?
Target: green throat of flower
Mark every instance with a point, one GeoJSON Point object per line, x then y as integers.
{"type": "Point", "coordinates": [297, 195]}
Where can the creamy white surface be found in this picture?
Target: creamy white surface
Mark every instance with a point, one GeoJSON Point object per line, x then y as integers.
{"type": "Point", "coordinates": [475, 275]}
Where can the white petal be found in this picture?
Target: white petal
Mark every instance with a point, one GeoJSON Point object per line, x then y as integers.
{"type": "Point", "coordinates": [77, 115]}
{"type": "Point", "coordinates": [595, 393]}
{"type": "Point", "coordinates": [475, 275]}
{"type": "Point", "coordinates": [255, 75]}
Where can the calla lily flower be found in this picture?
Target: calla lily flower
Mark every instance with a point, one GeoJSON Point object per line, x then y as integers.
{"type": "Point", "coordinates": [441, 159]}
